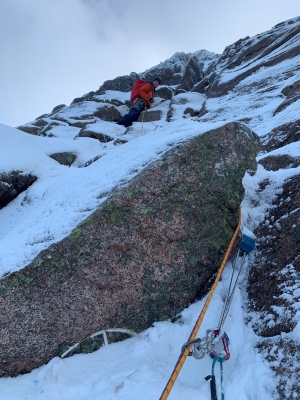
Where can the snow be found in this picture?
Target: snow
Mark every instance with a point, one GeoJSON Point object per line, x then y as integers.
{"type": "Point", "coordinates": [62, 197]}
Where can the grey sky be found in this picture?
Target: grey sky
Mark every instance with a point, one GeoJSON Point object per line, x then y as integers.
{"type": "Point", "coordinates": [52, 51]}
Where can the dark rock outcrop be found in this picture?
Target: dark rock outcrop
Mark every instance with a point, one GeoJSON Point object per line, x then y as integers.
{"type": "Point", "coordinates": [190, 111]}
{"type": "Point", "coordinates": [122, 83]}
{"type": "Point", "coordinates": [12, 184]}
{"type": "Point", "coordinates": [251, 54]}
{"type": "Point", "coordinates": [150, 115]}
{"type": "Point", "coordinates": [266, 281]}
{"type": "Point", "coordinates": [58, 108]}
{"type": "Point", "coordinates": [32, 129]}
{"type": "Point", "coordinates": [164, 92]}
{"type": "Point", "coordinates": [281, 136]}
{"type": "Point", "coordinates": [102, 137]}
{"type": "Point", "coordinates": [193, 73]}
{"type": "Point", "coordinates": [292, 93]}
{"type": "Point", "coordinates": [64, 158]}
{"type": "Point", "coordinates": [274, 284]}
{"type": "Point", "coordinates": [108, 113]}
{"type": "Point", "coordinates": [283, 161]}
{"type": "Point", "coordinates": [40, 127]}
{"type": "Point", "coordinates": [144, 255]}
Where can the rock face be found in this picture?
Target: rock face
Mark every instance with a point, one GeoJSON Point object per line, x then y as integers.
{"type": "Point", "coordinates": [292, 94]}
{"type": "Point", "coordinates": [251, 54]}
{"type": "Point", "coordinates": [145, 254]}
{"type": "Point", "coordinates": [282, 136]}
{"type": "Point", "coordinates": [12, 184]}
{"type": "Point", "coordinates": [274, 281]}
{"type": "Point", "coordinates": [282, 261]}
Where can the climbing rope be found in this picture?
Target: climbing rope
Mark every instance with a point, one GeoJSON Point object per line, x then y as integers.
{"type": "Point", "coordinates": [150, 120]}
{"type": "Point", "coordinates": [185, 349]}
{"type": "Point", "coordinates": [142, 130]}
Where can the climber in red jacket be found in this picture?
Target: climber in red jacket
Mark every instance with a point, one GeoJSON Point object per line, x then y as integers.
{"type": "Point", "coordinates": [142, 102]}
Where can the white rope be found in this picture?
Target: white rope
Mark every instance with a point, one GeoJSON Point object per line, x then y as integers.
{"type": "Point", "coordinates": [103, 332]}
{"type": "Point", "coordinates": [69, 350]}
{"type": "Point", "coordinates": [230, 292]}
{"type": "Point", "coordinates": [121, 330]}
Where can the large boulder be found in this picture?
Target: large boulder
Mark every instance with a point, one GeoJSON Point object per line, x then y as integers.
{"type": "Point", "coordinates": [108, 113]}
{"type": "Point", "coordinates": [149, 251]}
{"type": "Point", "coordinates": [102, 137]}
{"type": "Point", "coordinates": [150, 115]}
{"type": "Point", "coordinates": [164, 92]}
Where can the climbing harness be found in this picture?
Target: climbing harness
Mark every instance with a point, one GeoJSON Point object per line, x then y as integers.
{"type": "Point", "coordinates": [199, 347]}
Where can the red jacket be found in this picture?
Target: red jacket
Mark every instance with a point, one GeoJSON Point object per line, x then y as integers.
{"type": "Point", "coordinates": [147, 92]}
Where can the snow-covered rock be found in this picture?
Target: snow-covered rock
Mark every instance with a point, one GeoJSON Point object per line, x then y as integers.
{"type": "Point", "coordinates": [255, 81]}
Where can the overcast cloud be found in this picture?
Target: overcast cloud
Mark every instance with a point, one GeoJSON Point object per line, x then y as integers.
{"type": "Point", "coordinates": [55, 50]}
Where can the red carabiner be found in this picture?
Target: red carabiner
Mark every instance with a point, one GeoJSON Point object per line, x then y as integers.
{"type": "Point", "coordinates": [225, 341]}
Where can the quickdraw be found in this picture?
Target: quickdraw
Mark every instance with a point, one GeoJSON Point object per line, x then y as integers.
{"type": "Point", "coordinates": [212, 378]}
{"type": "Point", "coordinates": [207, 345]}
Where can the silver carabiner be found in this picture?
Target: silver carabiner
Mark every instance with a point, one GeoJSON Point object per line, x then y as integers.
{"type": "Point", "coordinates": [204, 345]}
{"type": "Point", "coordinates": [201, 346]}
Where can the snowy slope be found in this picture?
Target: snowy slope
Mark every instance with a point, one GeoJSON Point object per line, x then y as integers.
{"type": "Point", "coordinates": [139, 368]}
